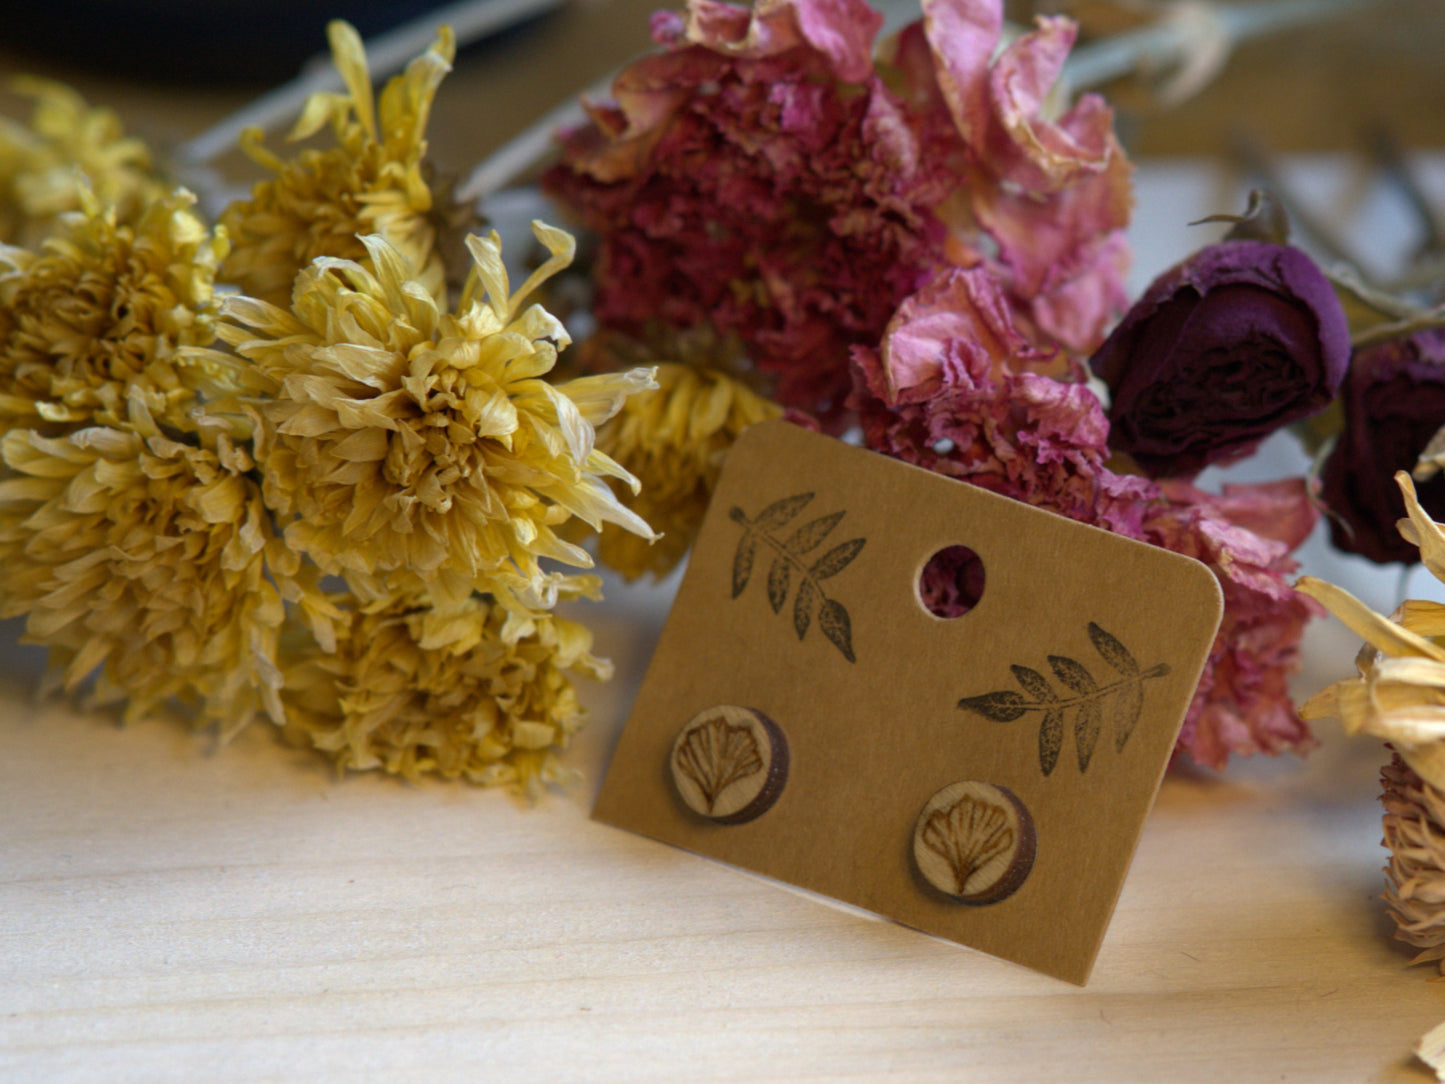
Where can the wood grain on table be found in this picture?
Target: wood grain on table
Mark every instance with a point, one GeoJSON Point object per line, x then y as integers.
{"type": "Point", "coordinates": [173, 912]}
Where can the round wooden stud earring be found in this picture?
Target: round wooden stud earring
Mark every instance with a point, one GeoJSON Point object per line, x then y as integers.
{"type": "Point", "coordinates": [729, 764]}
{"type": "Point", "coordinates": [974, 842]}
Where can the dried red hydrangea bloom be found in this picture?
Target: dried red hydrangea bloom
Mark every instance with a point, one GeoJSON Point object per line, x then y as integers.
{"type": "Point", "coordinates": [758, 176]}
{"type": "Point", "coordinates": [764, 177]}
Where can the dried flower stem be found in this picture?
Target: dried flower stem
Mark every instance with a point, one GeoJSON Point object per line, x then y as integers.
{"type": "Point", "coordinates": [1399, 329]}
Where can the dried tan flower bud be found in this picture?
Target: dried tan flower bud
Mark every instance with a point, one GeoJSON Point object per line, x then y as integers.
{"type": "Point", "coordinates": [1415, 834]}
{"type": "Point", "coordinates": [67, 147]}
{"type": "Point", "coordinates": [104, 308]}
{"type": "Point", "coordinates": [1400, 697]}
{"type": "Point", "coordinates": [371, 182]}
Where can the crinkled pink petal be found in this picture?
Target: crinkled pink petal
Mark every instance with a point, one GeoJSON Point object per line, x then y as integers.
{"type": "Point", "coordinates": [963, 35]}
{"type": "Point", "coordinates": [957, 327]}
{"type": "Point", "coordinates": [1243, 705]}
{"type": "Point", "coordinates": [1048, 241]}
{"type": "Point", "coordinates": [1280, 511]}
{"type": "Point", "coordinates": [998, 105]}
{"type": "Point", "coordinates": [1041, 155]}
{"type": "Point", "coordinates": [841, 30]}
{"type": "Point", "coordinates": [1079, 311]}
{"type": "Point", "coordinates": [1065, 414]}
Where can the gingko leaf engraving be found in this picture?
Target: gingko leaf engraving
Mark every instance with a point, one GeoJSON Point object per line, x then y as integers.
{"type": "Point", "coordinates": [717, 754]}
{"type": "Point", "coordinates": [792, 566]}
{"type": "Point", "coordinates": [968, 835]}
{"type": "Point", "coordinates": [974, 841]}
{"type": "Point", "coordinates": [1090, 700]}
{"type": "Point", "coordinates": [729, 764]}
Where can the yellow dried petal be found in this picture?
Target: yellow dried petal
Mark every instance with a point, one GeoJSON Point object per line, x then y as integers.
{"type": "Point", "coordinates": [372, 181]}
{"type": "Point", "coordinates": [145, 560]}
{"type": "Point", "coordinates": [1384, 634]}
{"type": "Point", "coordinates": [672, 440]}
{"type": "Point", "coordinates": [472, 693]}
{"type": "Point", "coordinates": [66, 151]}
{"type": "Point", "coordinates": [101, 324]}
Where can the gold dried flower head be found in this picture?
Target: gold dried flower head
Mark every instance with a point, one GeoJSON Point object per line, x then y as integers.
{"type": "Point", "coordinates": [372, 182]}
{"type": "Point", "coordinates": [673, 440]}
{"type": "Point", "coordinates": [149, 559]}
{"type": "Point", "coordinates": [1399, 695]}
{"type": "Point", "coordinates": [67, 147]}
{"type": "Point", "coordinates": [411, 443]}
{"type": "Point", "coordinates": [476, 693]}
{"type": "Point", "coordinates": [103, 308]}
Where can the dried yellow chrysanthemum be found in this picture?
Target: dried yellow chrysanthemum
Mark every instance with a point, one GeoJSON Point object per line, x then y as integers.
{"type": "Point", "coordinates": [403, 443]}
{"type": "Point", "coordinates": [673, 440]}
{"type": "Point", "coordinates": [104, 308]}
{"type": "Point", "coordinates": [372, 182]}
{"type": "Point", "coordinates": [1399, 696]}
{"type": "Point", "coordinates": [149, 559]}
{"type": "Point", "coordinates": [67, 147]}
{"type": "Point", "coordinates": [477, 693]}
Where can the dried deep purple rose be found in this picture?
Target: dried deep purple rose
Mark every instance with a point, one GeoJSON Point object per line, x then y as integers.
{"type": "Point", "coordinates": [1394, 400]}
{"type": "Point", "coordinates": [1242, 338]}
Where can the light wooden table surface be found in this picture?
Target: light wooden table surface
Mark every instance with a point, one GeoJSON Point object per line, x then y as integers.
{"type": "Point", "coordinates": [172, 912]}
{"type": "Point", "coordinates": [169, 911]}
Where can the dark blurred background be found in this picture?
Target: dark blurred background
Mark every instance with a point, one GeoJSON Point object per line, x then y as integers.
{"type": "Point", "coordinates": [171, 67]}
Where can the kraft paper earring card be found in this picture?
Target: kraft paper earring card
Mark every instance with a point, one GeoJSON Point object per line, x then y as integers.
{"type": "Point", "coordinates": [984, 777]}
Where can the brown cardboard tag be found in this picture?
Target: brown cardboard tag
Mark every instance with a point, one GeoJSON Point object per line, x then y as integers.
{"type": "Point", "coordinates": [984, 778]}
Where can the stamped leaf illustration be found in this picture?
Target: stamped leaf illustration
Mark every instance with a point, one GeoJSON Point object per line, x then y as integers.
{"type": "Point", "coordinates": [1090, 700]}
{"type": "Point", "coordinates": [833, 620]}
{"type": "Point", "coordinates": [968, 835]}
{"type": "Point", "coordinates": [809, 535]}
{"type": "Point", "coordinates": [803, 604]}
{"type": "Point", "coordinates": [778, 576]}
{"type": "Point", "coordinates": [717, 755]}
{"type": "Point", "coordinates": [743, 563]}
{"type": "Point", "coordinates": [836, 559]}
{"type": "Point", "coordinates": [1001, 707]}
{"type": "Point", "coordinates": [780, 513]}
{"type": "Point", "coordinates": [793, 566]}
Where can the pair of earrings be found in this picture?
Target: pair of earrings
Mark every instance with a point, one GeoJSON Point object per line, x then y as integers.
{"type": "Point", "coordinates": [973, 841]}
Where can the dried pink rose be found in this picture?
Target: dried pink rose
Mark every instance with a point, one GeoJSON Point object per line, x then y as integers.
{"type": "Point", "coordinates": [958, 390]}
